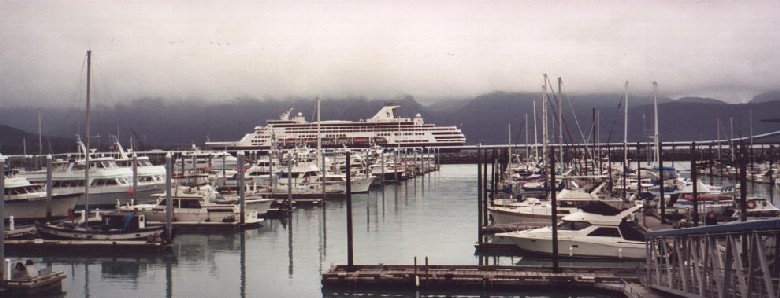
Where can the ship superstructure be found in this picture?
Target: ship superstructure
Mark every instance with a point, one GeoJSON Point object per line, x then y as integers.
{"type": "Point", "coordinates": [385, 129]}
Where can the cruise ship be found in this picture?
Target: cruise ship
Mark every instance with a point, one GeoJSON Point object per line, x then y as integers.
{"type": "Point", "coordinates": [385, 129]}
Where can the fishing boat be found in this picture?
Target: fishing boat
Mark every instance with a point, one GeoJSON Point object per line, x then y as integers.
{"type": "Point", "coordinates": [190, 207]}
{"type": "Point", "coordinates": [600, 232]}
{"type": "Point", "coordinates": [112, 226]}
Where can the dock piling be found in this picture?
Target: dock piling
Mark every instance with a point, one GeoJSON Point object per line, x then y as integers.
{"type": "Point", "coordinates": [350, 239]}
{"type": "Point", "coordinates": [168, 200]}
{"type": "Point", "coordinates": [554, 212]}
{"type": "Point", "coordinates": [2, 216]}
{"type": "Point", "coordinates": [241, 190]}
{"type": "Point", "coordinates": [694, 180]}
{"type": "Point", "coordinates": [479, 195]}
{"type": "Point", "coordinates": [49, 189]}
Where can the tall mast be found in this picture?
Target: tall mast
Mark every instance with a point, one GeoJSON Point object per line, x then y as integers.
{"type": "Point", "coordinates": [731, 136]}
{"type": "Point", "coordinates": [40, 135]}
{"type": "Point", "coordinates": [560, 120]}
{"type": "Point", "coordinates": [625, 127]}
{"type": "Point", "coordinates": [544, 121]}
{"type": "Point", "coordinates": [526, 138]}
{"type": "Point", "coordinates": [509, 146]}
{"type": "Point", "coordinates": [536, 139]}
{"type": "Point", "coordinates": [88, 136]}
{"type": "Point", "coordinates": [319, 135]}
{"type": "Point", "coordinates": [717, 128]}
{"type": "Point", "coordinates": [655, 128]}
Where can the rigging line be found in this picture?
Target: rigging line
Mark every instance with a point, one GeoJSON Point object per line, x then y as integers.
{"type": "Point", "coordinates": [555, 115]}
{"type": "Point", "coordinates": [579, 128]}
{"type": "Point", "coordinates": [75, 98]}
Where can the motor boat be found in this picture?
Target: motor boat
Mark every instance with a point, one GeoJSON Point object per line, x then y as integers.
{"type": "Point", "coordinates": [597, 232]}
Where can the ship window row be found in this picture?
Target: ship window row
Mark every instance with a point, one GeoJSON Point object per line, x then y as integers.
{"type": "Point", "coordinates": [21, 190]}
{"type": "Point", "coordinates": [110, 181]}
{"type": "Point", "coordinates": [155, 178]}
{"type": "Point", "coordinates": [68, 183]}
{"type": "Point", "coordinates": [411, 141]}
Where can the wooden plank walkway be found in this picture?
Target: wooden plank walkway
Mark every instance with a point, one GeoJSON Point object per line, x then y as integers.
{"type": "Point", "coordinates": [474, 277]}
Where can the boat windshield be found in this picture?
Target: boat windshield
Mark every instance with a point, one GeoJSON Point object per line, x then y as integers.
{"type": "Point", "coordinates": [573, 225]}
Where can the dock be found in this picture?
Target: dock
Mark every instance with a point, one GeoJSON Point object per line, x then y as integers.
{"type": "Point", "coordinates": [44, 285]}
{"type": "Point", "coordinates": [481, 277]}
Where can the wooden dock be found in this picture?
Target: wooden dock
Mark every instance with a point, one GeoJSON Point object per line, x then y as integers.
{"type": "Point", "coordinates": [40, 286]}
{"type": "Point", "coordinates": [477, 277]}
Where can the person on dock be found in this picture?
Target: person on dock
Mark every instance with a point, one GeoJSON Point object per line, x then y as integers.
{"type": "Point", "coordinates": [711, 219]}
{"type": "Point", "coordinates": [32, 270]}
{"type": "Point", "coordinates": [19, 272]}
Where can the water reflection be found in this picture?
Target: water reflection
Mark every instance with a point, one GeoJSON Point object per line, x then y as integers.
{"type": "Point", "coordinates": [284, 258]}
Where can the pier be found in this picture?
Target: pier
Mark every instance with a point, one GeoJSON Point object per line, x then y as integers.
{"type": "Point", "coordinates": [732, 260]}
{"type": "Point", "coordinates": [476, 277]}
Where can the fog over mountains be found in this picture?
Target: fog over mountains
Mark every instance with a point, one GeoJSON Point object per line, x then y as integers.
{"type": "Point", "coordinates": [162, 123]}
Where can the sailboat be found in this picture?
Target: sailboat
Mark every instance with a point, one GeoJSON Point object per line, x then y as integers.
{"type": "Point", "coordinates": [111, 226]}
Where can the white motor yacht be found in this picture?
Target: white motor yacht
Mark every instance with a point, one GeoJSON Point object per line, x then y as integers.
{"type": "Point", "coordinates": [24, 200]}
{"type": "Point", "coordinates": [535, 212]}
{"type": "Point", "coordinates": [190, 206]}
{"type": "Point", "coordinates": [585, 235]}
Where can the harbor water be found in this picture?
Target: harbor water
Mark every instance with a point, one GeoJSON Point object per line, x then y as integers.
{"type": "Point", "coordinates": [433, 216]}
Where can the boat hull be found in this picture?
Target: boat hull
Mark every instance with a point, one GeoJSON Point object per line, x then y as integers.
{"type": "Point", "coordinates": [48, 231]}
{"type": "Point", "coordinates": [26, 209]}
{"type": "Point", "coordinates": [569, 247]}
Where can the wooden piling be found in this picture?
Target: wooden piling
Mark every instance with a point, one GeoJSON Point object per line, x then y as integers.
{"type": "Point", "coordinates": [742, 182]}
{"type": "Point", "coordinates": [350, 250]}
{"type": "Point", "coordinates": [694, 180]}
{"type": "Point", "coordinates": [661, 177]}
{"type": "Point", "coordinates": [554, 212]}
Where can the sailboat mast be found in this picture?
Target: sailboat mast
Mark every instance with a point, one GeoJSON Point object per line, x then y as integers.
{"type": "Point", "coordinates": [731, 137]}
{"type": "Point", "coordinates": [544, 121]}
{"type": "Point", "coordinates": [509, 143]}
{"type": "Point", "coordinates": [40, 134]}
{"type": "Point", "coordinates": [536, 139]}
{"type": "Point", "coordinates": [88, 136]}
{"type": "Point", "coordinates": [526, 137]}
{"type": "Point", "coordinates": [655, 112]}
{"type": "Point", "coordinates": [717, 128]}
{"type": "Point", "coordinates": [560, 120]}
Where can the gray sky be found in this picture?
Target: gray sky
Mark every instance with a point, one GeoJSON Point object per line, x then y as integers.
{"type": "Point", "coordinates": [224, 49]}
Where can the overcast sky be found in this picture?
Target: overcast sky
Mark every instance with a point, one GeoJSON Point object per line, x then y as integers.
{"type": "Point", "coordinates": [222, 49]}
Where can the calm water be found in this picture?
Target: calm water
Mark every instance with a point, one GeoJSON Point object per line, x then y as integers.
{"type": "Point", "coordinates": [433, 216]}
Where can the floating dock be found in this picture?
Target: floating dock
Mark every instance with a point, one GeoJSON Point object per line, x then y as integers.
{"type": "Point", "coordinates": [481, 277]}
{"type": "Point", "coordinates": [49, 284]}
